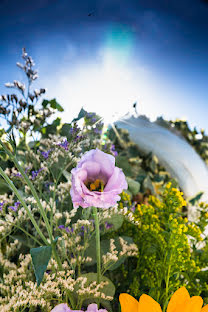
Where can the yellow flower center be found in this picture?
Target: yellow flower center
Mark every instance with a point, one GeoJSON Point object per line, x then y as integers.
{"type": "Point", "coordinates": [97, 185]}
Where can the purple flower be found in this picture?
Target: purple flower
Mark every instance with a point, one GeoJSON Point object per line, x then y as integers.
{"type": "Point", "coordinates": [96, 181]}
{"type": "Point", "coordinates": [64, 144]}
{"type": "Point", "coordinates": [94, 308]}
{"type": "Point", "coordinates": [35, 173]}
{"type": "Point", "coordinates": [15, 207]}
{"type": "Point", "coordinates": [46, 154]}
{"type": "Point", "coordinates": [17, 175]}
{"type": "Point", "coordinates": [108, 225]}
{"type": "Point", "coordinates": [61, 226]}
{"type": "Point", "coordinates": [63, 307]}
{"type": "Point", "coordinates": [74, 130]}
{"type": "Point", "coordinates": [67, 229]}
{"type": "Point", "coordinates": [133, 209]}
{"type": "Point", "coordinates": [113, 150]}
{"type": "Point", "coordinates": [2, 205]}
{"type": "Point", "coordinates": [97, 131]}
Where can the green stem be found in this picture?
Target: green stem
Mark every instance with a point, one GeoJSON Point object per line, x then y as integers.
{"type": "Point", "coordinates": [56, 256]}
{"type": "Point", "coordinates": [28, 234]}
{"type": "Point", "coordinates": [97, 231]}
{"type": "Point", "coordinates": [14, 189]}
{"type": "Point", "coordinates": [29, 183]}
{"type": "Point", "coordinates": [41, 209]}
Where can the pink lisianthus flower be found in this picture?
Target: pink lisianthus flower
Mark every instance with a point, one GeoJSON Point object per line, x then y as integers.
{"type": "Point", "coordinates": [96, 181]}
{"type": "Point", "coordinates": [63, 307]}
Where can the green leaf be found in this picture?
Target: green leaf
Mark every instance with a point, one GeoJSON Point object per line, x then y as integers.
{"type": "Point", "coordinates": [4, 188]}
{"type": "Point", "coordinates": [133, 186]}
{"type": "Point", "coordinates": [45, 103]}
{"type": "Point", "coordinates": [196, 198]}
{"type": "Point", "coordinates": [40, 258]}
{"type": "Point", "coordinates": [53, 104]}
{"type": "Point", "coordinates": [65, 130]}
{"type": "Point", "coordinates": [122, 162]}
{"type": "Point", "coordinates": [81, 115]}
{"type": "Point", "coordinates": [116, 221]}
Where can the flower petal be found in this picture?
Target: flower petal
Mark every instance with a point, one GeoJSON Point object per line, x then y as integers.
{"type": "Point", "coordinates": [148, 304]}
{"type": "Point", "coordinates": [117, 181]}
{"type": "Point", "coordinates": [106, 161]}
{"type": "Point", "coordinates": [128, 303]}
{"type": "Point", "coordinates": [63, 307]}
{"type": "Point", "coordinates": [205, 308]}
{"type": "Point", "coordinates": [180, 297]}
{"type": "Point", "coordinates": [92, 168]}
{"type": "Point", "coordinates": [193, 305]}
{"type": "Point", "coordinates": [94, 308]}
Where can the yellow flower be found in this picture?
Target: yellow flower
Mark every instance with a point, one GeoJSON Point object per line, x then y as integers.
{"type": "Point", "coordinates": [179, 302]}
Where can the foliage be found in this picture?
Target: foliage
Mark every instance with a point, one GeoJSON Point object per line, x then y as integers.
{"type": "Point", "coordinates": [147, 243]}
{"type": "Point", "coordinates": [172, 250]}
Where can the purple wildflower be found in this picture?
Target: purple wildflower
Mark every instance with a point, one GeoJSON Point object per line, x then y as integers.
{"type": "Point", "coordinates": [108, 225]}
{"type": "Point", "coordinates": [46, 154]}
{"type": "Point", "coordinates": [113, 151]}
{"type": "Point", "coordinates": [97, 131]}
{"type": "Point", "coordinates": [74, 130]}
{"type": "Point", "coordinates": [2, 205]}
{"type": "Point", "coordinates": [64, 144]}
{"type": "Point", "coordinates": [15, 207]}
{"type": "Point", "coordinates": [90, 115]}
{"type": "Point", "coordinates": [35, 173]}
{"type": "Point", "coordinates": [17, 175]}
{"type": "Point", "coordinates": [96, 181]}
{"type": "Point", "coordinates": [61, 227]}
{"type": "Point", "coordinates": [67, 229]}
{"type": "Point", "coordinates": [133, 209]}
{"type": "Point", "coordinates": [12, 208]}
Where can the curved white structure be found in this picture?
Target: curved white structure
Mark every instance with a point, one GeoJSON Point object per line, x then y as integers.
{"type": "Point", "coordinates": [174, 153]}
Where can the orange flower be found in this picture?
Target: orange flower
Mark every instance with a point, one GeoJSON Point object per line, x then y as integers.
{"type": "Point", "coordinates": [179, 302]}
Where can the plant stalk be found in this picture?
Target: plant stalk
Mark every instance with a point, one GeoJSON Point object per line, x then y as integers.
{"type": "Point", "coordinates": [14, 189]}
{"type": "Point", "coordinates": [97, 231]}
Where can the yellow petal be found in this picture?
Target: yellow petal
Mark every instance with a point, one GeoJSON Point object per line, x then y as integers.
{"type": "Point", "coordinates": [148, 304]}
{"type": "Point", "coordinates": [179, 297]}
{"type": "Point", "coordinates": [128, 303]}
{"type": "Point", "coordinates": [193, 305]}
{"type": "Point", "coordinates": [205, 308]}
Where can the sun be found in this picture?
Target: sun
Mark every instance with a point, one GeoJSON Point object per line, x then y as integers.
{"type": "Point", "coordinates": [106, 87]}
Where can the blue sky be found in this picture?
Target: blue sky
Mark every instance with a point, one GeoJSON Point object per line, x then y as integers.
{"type": "Point", "coordinates": [152, 52]}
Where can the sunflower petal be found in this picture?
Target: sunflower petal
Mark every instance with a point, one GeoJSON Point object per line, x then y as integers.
{"type": "Point", "coordinates": [178, 298]}
{"type": "Point", "coordinates": [148, 304]}
{"type": "Point", "coordinates": [128, 303]}
{"type": "Point", "coordinates": [193, 305]}
{"type": "Point", "coordinates": [205, 308]}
